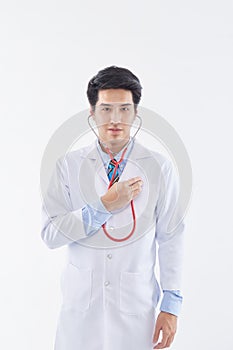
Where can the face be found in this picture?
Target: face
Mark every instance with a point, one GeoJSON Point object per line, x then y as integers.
{"type": "Point", "coordinates": [114, 114]}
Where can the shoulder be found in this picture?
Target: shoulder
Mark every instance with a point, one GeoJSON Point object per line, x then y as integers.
{"type": "Point", "coordinates": [163, 161]}
{"type": "Point", "coordinates": [73, 158]}
{"type": "Point", "coordinates": [82, 152]}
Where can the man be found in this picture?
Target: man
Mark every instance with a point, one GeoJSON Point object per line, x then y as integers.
{"type": "Point", "coordinates": [109, 289]}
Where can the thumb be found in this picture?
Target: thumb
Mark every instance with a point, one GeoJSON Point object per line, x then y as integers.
{"type": "Point", "coordinates": [156, 333]}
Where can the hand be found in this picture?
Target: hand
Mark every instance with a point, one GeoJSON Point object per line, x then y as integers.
{"type": "Point", "coordinates": [121, 193]}
{"type": "Point", "coordinates": [167, 323]}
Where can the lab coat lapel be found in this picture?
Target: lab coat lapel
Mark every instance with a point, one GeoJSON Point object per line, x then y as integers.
{"type": "Point", "coordinates": [95, 175]}
{"type": "Point", "coordinates": [131, 169]}
{"type": "Point", "coordinates": [96, 163]}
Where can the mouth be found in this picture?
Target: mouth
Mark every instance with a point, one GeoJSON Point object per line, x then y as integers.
{"type": "Point", "coordinates": [115, 129]}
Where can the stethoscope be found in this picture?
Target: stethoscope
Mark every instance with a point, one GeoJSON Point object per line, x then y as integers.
{"type": "Point", "coordinates": [116, 164]}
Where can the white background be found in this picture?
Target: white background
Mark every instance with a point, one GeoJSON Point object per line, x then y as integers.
{"type": "Point", "coordinates": [182, 52]}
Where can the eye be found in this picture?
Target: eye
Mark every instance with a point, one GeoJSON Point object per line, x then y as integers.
{"type": "Point", "coordinates": [125, 109]}
{"type": "Point", "coordinates": [106, 109]}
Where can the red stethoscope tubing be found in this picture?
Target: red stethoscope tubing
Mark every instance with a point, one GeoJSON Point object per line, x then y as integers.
{"type": "Point", "coordinates": [132, 204]}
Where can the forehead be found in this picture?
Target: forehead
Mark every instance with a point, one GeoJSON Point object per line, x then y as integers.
{"type": "Point", "coordinates": [115, 95]}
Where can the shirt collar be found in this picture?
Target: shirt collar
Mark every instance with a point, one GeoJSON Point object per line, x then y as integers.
{"type": "Point", "coordinates": [105, 156]}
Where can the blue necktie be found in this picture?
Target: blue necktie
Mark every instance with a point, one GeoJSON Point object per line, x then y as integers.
{"type": "Point", "coordinates": [111, 167]}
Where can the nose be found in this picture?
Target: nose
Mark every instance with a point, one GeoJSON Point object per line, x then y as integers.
{"type": "Point", "coordinates": [115, 116]}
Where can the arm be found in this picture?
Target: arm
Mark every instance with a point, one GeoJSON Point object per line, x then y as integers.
{"type": "Point", "coordinates": [170, 238]}
{"type": "Point", "coordinates": [94, 216]}
{"type": "Point", "coordinates": [61, 224]}
{"type": "Point", "coordinates": [170, 252]}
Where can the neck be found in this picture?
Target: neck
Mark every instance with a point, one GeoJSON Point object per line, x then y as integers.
{"type": "Point", "coordinates": [115, 147]}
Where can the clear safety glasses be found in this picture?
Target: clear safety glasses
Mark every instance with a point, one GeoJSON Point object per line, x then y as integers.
{"type": "Point", "coordinates": [115, 112]}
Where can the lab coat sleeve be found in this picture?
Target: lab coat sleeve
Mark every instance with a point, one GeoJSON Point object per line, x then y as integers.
{"type": "Point", "coordinates": [170, 238]}
{"type": "Point", "coordinates": [61, 224]}
{"type": "Point", "coordinates": [94, 216]}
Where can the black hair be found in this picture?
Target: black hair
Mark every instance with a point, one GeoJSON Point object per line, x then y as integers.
{"type": "Point", "coordinates": [114, 77]}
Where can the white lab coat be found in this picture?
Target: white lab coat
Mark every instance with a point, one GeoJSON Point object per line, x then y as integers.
{"type": "Point", "coordinates": [110, 291]}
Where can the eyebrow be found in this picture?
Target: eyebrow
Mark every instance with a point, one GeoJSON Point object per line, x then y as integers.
{"type": "Point", "coordinates": [123, 104]}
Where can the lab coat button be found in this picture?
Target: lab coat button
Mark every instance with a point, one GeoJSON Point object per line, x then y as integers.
{"type": "Point", "coordinates": [109, 256]}
{"type": "Point", "coordinates": [106, 283]}
{"type": "Point", "coordinates": [111, 228]}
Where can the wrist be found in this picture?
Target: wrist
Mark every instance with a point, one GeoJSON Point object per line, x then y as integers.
{"type": "Point", "coordinates": [169, 313]}
{"type": "Point", "coordinates": [106, 203]}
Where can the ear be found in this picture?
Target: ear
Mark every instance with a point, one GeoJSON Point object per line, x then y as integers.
{"type": "Point", "coordinates": [92, 113]}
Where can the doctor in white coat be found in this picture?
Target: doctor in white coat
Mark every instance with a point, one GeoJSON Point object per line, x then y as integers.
{"type": "Point", "coordinates": [110, 289]}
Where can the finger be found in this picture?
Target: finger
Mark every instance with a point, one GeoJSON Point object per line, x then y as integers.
{"type": "Point", "coordinates": [137, 183]}
{"type": "Point", "coordinates": [136, 186]}
{"type": "Point", "coordinates": [134, 194]}
{"type": "Point", "coordinates": [133, 191]}
{"type": "Point", "coordinates": [169, 341]}
{"type": "Point", "coordinates": [163, 343]}
{"type": "Point", "coordinates": [156, 334]}
{"type": "Point", "coordinates": [133, 180]}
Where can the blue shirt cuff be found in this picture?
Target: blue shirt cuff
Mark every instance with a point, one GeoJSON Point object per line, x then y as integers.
{"type": "Point", "coordinates": [94, 216]}
{"type": "Point", "coordinates": [171, 302]}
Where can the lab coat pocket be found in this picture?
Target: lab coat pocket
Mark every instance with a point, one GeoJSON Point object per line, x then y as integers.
{"type": "Point", "coordinates": [136, 293]}
{"type": "Point", "coordinates": [76, 287]}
